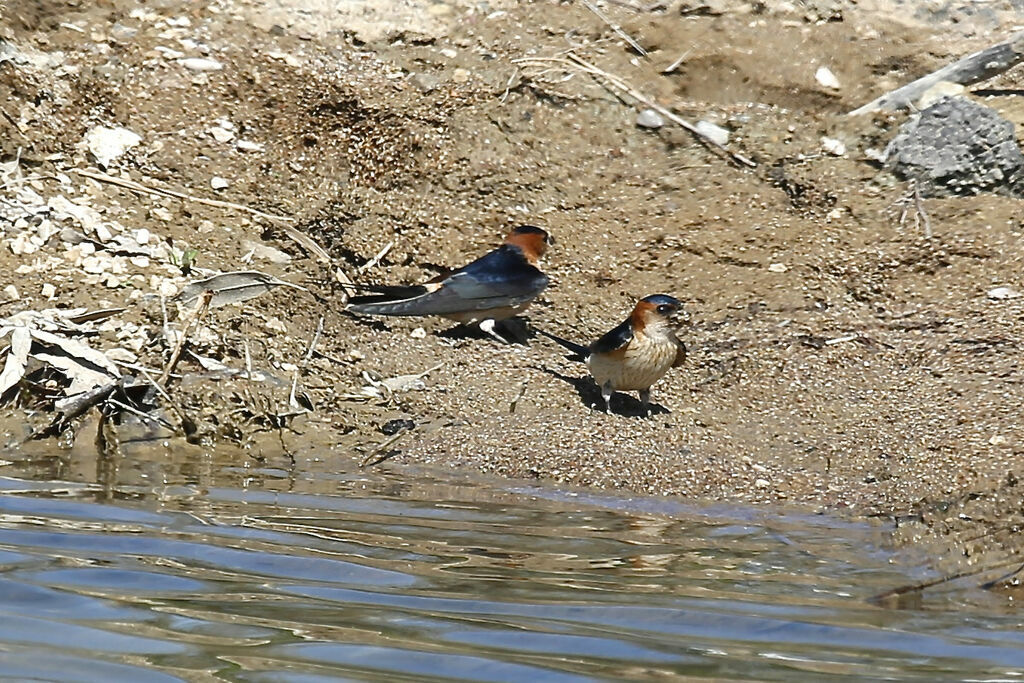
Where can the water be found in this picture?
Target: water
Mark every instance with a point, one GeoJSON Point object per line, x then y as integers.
{"type": "Point", "coordinates": [317, 576]}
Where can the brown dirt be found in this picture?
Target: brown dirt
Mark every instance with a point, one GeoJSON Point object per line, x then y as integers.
{"type": "Point", "coordinates": [871, 374]}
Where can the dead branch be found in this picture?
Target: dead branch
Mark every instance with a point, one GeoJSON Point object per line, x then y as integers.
{"type": "Point", "coordinates": [197, 313]}
{"type": "Point", "coordinates": [971, 69]}
{"type": "Point", "coordinates": [615, 83]}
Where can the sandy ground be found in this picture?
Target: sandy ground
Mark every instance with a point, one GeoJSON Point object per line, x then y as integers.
{"type": "Point", "coordinates": [839, 358]}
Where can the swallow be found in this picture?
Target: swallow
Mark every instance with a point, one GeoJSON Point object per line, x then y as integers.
{"type": "Point", "coordinates": [497, 286]}
{"type": "Point", "coordinates": [635, 354]}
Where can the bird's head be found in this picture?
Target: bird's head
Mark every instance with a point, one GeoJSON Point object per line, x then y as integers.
{"type": "Point", "coordinates": [532, 241]}
{"type": "Point", "coordinates": [656, 312]}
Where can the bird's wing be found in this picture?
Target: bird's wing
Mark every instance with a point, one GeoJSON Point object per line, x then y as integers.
{"type": "Point", "coordinates": [680, 354]}
{"type": "Point", "coordinates": [498, 279]}
{"type": "Point", "coordinates": [615, 340]}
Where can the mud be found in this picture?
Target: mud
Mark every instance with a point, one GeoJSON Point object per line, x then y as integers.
{"type": "Point", "coordinates": [839, 357]}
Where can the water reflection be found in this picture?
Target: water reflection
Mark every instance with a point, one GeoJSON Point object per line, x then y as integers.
{"type": "Point", "coordinates": [179, 565]}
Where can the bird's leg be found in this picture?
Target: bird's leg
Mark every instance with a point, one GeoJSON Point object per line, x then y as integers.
{"type": "Point", "coordinates": [606, 395]}
{"type": "Point", "coordinates": [487, 326]}
{"type": "Point", "coordinates": [645, 402]}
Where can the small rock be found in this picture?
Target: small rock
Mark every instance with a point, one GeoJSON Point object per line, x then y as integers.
{"type": "Point", "coordinates": [142, 236]}
{"type": "Point", "coordinates": [222, 134]}
{"type": "Point", "coordinates": [778, 268]}
{"type": "Point", "coordinates": [248, 146]}
{"type": "Point", "coordinates": [826, 78]}
{"type": "Point", "coordinates": [218, 183]}
{"type": "Point", "coordinates": [425, 83]}
{"type": "Point", "coordinates": [49, 291]}
{"type": "Point", "coordinates": [958, 147]}
{"type": "Point", "coordinates": [449, 52]}
{"type": "Point", "coordinates": [200, 64]}
{"type": "Point", "coordinates": [94, 265]}
{"type": "Point", "coordinates": [107, 144]}
{"type": "Point", "coordinates": [460, 75]}
{"type": "Point", "coordinates": [762, 483]}
{"type": "Point", "coordinates": [392, 427]}
{"type": "Point", "coordinates": [1001, 293]}
{"type": "Point", "coordinates": [649, 118]}
{"type": "Point", "coordinates": [11, 293]}
{"type": "Point", "coordinates": [833, 146]}
{"type": "Point", "coordinates": [713, 132]}
{"type": "Point", "coordinates": [999, 440]}
{"type": "Point", "coordinates": [418, 333]}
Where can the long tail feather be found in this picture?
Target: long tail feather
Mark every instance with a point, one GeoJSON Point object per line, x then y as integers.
{"type": "Point", "coordinates": [581, 352]}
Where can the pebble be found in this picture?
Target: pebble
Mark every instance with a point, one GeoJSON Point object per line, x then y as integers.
{"type": "Point", "coordinates": [649, 118]}
{"type": "Point", "coordinates": [826, 78]}
{"type": "Point", "coordinates": [460, 75]}
{"type": "Point", "coordinates": [107, 144]}
{"type": "Point", "coordinates": [778, 268]}
{"type": "Point", "coordinates": [833, 146]}
{"type": "Point", "coordinates": [248, 146]}
{"type": "Point", "coordinates": [713, 132]}
{"type": "Point", "coordinates": [11, 293]}
{"type": "Point", "coordinates": [200, 64]}
{"type": "Point", "coordinates": [418, 333]}
{"type": "Point", "coordinates": [218, 183]}
{"type": "Point", "coordinates": [1002, 293]}
{"type": "Point", "coordinates": [49, 291]}
{"type": "Point", "coordinates": [762, 483]}
{"type": "Point", "coordinates": [222, 134]}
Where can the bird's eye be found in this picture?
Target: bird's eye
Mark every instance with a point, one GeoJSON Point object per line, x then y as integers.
{"type": "Point", "coordinates": [664, 309]}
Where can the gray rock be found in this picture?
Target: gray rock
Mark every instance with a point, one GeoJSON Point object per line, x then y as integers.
{"type": "Point", "coordinates": [649, 118]}
{"type": "Point", "coordinates": [958, 147]}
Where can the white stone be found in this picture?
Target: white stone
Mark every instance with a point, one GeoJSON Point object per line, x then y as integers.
{"type": "Point", "coordinates": [712, 132]}
{"type": "Point", "coordinates": [649, 118]}
{"type": "Point", "coordinates": [249, 146]}
{"type": "Point", "coordinates": [200, 64]}
{"type": "Point", "coordinates": [11, 293]}
{"type": "Point", "coordinates": [142, 236]}
{"type": "Point", "coordinates": [418, 333]}
{"type": "Point", "coordinates": [826, 78]}
{"type": "Point", "coordinates": [778, 268]}
{"type": "Point", "coordinates": [1001, 293]}
{"type": "Point", "coordinates": [833, 146]}
{"type": "Point", "coordinates": [218, 183]}
{"type": "Point", "coordinates": [107, 144]}
{"type": "Point", "coordinates": [222, 134]}
{"type": "Point", "coordinates": [49, 291]}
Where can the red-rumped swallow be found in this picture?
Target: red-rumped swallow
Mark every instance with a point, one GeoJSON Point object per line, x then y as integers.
{"type": "Point", "coordinates": [637, 353]}
{"type": "Point", "coordinates": [497, 286]}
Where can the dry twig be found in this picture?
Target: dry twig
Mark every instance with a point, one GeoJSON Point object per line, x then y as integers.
{"type": "Point", "coordinates": [615, 27]}
{"type": "Point", "coordinates": [197, 313]}
{"type": "Point", "coordinates": [616, 84]}
{"type": "Point", "coordinates": [973, 68]}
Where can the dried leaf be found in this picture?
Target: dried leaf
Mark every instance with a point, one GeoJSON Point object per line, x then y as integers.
{"type": "Point", "coordinates": [17, 358]}
{"type": "Point", "coordinates": [92, 316]}
{"type": "Point", "coordinates": [78, 352]}
{"type": "Point", "coordinates": [232, 288]}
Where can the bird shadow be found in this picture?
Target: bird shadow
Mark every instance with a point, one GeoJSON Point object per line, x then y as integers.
{"type": "Point", "coordinates": [590, 395]}
{"type": "Point", "coordinates": [515, 330]}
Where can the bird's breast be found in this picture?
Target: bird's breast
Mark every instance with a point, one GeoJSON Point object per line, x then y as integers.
{"type": "Point", "coordinates": [643, 362]}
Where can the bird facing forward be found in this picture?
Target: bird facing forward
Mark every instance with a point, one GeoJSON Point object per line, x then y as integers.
{"type": "Point", "coordinates": [637, 353]}
{"type": "Point", "coordinates": [497, 286]}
